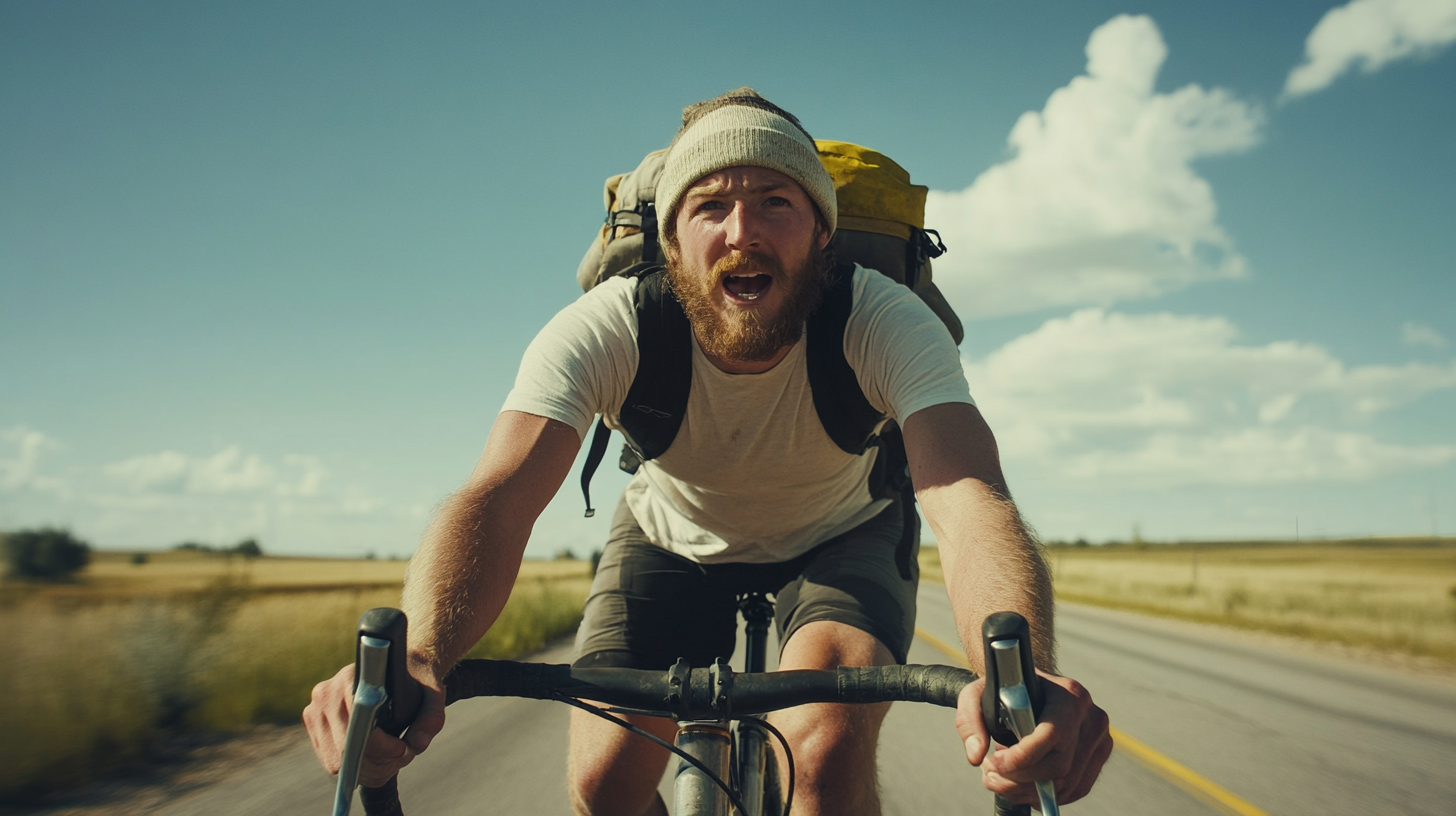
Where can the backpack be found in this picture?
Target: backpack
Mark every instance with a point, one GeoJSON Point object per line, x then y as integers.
{"type": "Point", "coordinates": [881, 226]}
{"type": "Point", "coordinates": [881, 223]}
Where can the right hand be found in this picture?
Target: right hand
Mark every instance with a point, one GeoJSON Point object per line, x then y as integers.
{"type": "Point", "coordinates": [327, 719]}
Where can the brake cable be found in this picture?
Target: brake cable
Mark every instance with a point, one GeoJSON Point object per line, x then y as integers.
{"type": "Point", "coordinates": [686, 757]}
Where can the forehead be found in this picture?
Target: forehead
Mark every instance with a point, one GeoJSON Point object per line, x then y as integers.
{"type": "Point", "coordinates": [745, 179]}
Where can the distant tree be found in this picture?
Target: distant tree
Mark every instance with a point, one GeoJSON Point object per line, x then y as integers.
{"type": "Point", "coordinates": [140, 558]}
{"type": "Point", "coordinates": [248, 548]}
{"type": "Point", "coordinates": [565, 554]}
{"type": "Point", "coordinates": [45, 555]}
{"type": "Point", "coordinates": [193, 545]}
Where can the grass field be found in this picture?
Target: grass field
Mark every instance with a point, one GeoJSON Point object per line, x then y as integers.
{"type": "Point", "coordinates": [1393, 594]}
{"type": "Point", "coordinates": [102, 669]}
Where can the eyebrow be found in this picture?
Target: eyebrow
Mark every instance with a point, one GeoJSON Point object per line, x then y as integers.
{"type": "Point", "coordinates": [716, 188]}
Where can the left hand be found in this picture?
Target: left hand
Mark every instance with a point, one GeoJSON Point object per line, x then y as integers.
{"type": "Point", "coordinates": [1069, 746]}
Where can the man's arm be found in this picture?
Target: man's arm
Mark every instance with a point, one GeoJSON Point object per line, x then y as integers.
{"type": "Point", "coordinates": [461, 575]}
{"type": "Point", "coordinates": [992, 563]}
{"type": "Point", "coordinates": [458, 582]}
{"type": "Point", "coordinates": [990, 560]}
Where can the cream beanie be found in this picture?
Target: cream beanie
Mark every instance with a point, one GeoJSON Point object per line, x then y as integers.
{"type": "Point", "coordinates": [736, 136]}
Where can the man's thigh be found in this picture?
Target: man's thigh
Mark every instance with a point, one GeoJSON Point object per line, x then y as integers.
{"type": "Point", "coordinates": [649, 607]}
{"type": "Point", "coordinates": [865, 579]}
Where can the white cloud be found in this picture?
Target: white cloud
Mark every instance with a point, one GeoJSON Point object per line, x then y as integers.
{"type": "Point", "coordinates": [1419, 334]}
{"type": "Point", "coordinates": [1369, 34]}
{"type": "Point", "coordinates": [1176, 399]}
{"type": "Point", "coordinates": [229, 472]}
{"type": "Point", "coordinates": [1099, 201]}
{"type": "Point", "coordinates": [22, 471]}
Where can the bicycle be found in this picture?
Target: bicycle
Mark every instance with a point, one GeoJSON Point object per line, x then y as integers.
{"type": "Point", "coordinates": [722, 742]}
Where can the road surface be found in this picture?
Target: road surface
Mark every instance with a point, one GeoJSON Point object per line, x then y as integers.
{"type": "Point", "coordinates": [1222, 724]}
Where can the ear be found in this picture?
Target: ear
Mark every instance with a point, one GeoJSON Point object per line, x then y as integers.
{"type": "Point", "coordinates": [821, 235]}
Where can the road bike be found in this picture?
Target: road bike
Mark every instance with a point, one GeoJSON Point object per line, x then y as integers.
{"type": "Point", "coordinates": [723, 743]}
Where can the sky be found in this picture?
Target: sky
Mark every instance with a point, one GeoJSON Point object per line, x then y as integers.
{"type": "Point", "coordinates": [267, 269]}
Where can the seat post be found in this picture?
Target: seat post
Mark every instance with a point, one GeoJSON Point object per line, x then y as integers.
{"type": "Point", "coordinates": [757, 611]}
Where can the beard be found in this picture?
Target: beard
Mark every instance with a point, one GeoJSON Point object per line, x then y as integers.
{"type": "Point", "coordinates": [748, 335]}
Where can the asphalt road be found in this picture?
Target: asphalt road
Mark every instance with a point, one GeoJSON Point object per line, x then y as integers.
{"type": "Point", "coordinates": [1270, 730]}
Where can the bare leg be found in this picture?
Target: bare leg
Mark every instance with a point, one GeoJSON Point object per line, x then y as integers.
{"type": "Point", "coordinates": [834, 745]}
{"type": "Point", "coordinates": [614, 772]}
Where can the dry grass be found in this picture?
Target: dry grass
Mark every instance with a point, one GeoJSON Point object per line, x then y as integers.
{"type": "Point", "coordinates": [1388, 594]}
{"type": "Point", "coordinates": [105, 668]}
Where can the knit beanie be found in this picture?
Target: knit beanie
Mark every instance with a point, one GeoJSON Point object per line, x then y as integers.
{"type": "Point", "coordinates": [740, 135]}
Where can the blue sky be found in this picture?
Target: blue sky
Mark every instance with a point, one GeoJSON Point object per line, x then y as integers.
{"type": "Point", "coordinates": [267, 269]}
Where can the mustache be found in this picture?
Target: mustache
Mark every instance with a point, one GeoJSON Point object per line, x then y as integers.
{"type": "Point", "coordinates": [739, 262]}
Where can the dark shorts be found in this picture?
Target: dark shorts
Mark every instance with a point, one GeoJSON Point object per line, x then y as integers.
{"type": "Point", "coordinates": [648, 606]}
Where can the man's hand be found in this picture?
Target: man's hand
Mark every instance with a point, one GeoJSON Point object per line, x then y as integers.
{"type": "Point", "coordinates": [327, 718]}
{"type": "Point", "coordinates": [1068, 747]}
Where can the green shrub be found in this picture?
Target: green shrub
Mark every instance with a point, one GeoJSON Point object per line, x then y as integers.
{"type": "Point", "coordinates": [44, 555]}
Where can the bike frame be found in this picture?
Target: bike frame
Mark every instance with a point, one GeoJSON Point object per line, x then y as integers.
{"type": "Point", "coordinates": [711, 742]}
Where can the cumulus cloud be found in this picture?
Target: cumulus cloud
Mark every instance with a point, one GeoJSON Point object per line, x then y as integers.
{"type": "Point", "coordinates": [1368, 34]}
{"type": "Point", "coordinates": [229, 472]}
{"type": "Point", "coordinates": [20, 471]}
{"type": "Point", "coordinates": [1177, 399]}
{"type": "Point", "coordinates": [1419, 334]}
{"type": "Point", "coordinates": [1099, 201]}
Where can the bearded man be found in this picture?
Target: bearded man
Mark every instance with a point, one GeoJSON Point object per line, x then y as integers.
{"type": "Point", "coordinates": [750, 495]}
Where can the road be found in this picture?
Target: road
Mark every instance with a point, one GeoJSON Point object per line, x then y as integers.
{"type": "Point", "coordinates": [1226, 724]}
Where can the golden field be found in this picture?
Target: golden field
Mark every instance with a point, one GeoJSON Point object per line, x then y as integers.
{"type": "Point", "coordinates": [103, 668]}
{"type": "Point", "coordinates": [1393, 594]}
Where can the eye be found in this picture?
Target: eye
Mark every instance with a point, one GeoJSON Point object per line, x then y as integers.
{"type": "Point", "coordinates": [778, 201]}
{"type": "Point", "coordinates": [709, 205]}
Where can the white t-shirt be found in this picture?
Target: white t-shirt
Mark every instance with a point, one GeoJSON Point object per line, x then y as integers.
{"type": "Point", "coordinates": [751, 475]}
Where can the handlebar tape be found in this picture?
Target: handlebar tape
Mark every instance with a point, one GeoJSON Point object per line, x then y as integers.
{"type": "Point", "coordinates": [1007, 626]}
{"type": "Point", "coordinates": [695, 697]}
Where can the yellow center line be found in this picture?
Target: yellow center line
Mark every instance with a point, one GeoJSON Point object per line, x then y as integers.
{"type": "Point", "coordinates": [1180, 775]}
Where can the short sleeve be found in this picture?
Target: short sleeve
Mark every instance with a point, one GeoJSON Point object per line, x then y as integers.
{"type": "Point", "coordinates": [582, 362]}
{"type": "Point", "coordinates": [902, 354]}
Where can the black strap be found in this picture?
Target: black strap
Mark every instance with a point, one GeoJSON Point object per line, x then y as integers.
{"type": "Point", "coordinates": [593, 458]}
{"type": "Point", "coordinates": [648, 211]}
{"type": "Point", "coordinates": [847, 415]}
{"type": "Point", "coordinates": [658, 398]}
{"type": "Point", "coordinates": [653, 411]}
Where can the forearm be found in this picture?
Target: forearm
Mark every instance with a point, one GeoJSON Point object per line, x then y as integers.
{"type": "Point", "coordinates": [991, 563]}
{"type": "Point", "coordinates": [465, 568]}
{"type": "Point", "coordinates": [460, 578]}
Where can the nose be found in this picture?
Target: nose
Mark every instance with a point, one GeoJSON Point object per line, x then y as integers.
{"type": "Point", "coordinates": [741, 227]}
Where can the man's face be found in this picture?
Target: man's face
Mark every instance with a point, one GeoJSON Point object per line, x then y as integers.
{"type": "Point", "coordinates": [747, 261]}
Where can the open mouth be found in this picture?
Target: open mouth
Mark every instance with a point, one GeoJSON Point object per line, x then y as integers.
{"type": "Point", "coordinates": [747, 287]}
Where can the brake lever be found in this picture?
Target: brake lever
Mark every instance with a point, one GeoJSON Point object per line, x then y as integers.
{"type": "Point", "coordinates": [385, 695]}
{"type": "Point", "coordinates": [1012, 699]}
{"type": "Point", "coordinates": [370, 669]}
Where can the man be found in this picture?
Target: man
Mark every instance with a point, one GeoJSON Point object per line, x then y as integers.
{"type": "Point", "coordinates": [751, 494]}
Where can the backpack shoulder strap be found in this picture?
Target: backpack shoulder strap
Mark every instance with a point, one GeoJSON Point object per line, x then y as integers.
{"type": "Point", "coordinates": [844, 411]}
{"type": "Point", "coordinates": [653, 411]}
{"type": "Point", "coordinates": [658, 398]}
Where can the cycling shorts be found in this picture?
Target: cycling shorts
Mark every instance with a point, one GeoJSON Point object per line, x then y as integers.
{"type": "Point", "coordinates": [649, 606]}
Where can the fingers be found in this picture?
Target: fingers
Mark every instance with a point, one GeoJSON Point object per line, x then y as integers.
{"type": "Point", "coordinates": [383, 757]}
{"type": "Point", "coordinates": [969, 724]}
{"type": "Point", "coordinates": [327, 717]}
{"type": "Point", "coordinates": [429, 721]}
{"type": "Point", "coordinates": [1069, 747]}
